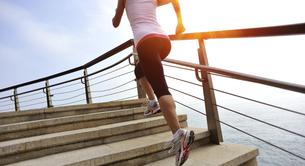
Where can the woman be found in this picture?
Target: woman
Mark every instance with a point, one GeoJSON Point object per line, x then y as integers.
{"type": "Point", "coordinates": [153, 45]}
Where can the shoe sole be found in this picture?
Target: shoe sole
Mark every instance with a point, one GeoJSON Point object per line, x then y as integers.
{"type": "Point", "coordinates": [153, 112]}
{"type": "Point", "coordinates": [191, 138]}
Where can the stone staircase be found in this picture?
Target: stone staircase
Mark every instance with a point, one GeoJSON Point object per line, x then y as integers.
{"type": "Point", "coordinates": [113, 133]}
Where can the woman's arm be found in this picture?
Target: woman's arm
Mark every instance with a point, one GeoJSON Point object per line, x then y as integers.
{"type": "Point", "coordinates": [177, 9]}
{"type": "Point", "coordinates": [180, 27]}
{"type": "Point", "coordinates": [118, 13]}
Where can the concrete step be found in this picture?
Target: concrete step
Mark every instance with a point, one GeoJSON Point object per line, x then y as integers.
{"type": "Point", "coordinates": [46, 126]}
{"type": "Point", "coordinates": [37, 114]}
{"type": "Point", "coordinates": [217, 155]}
{"type": "Point", "coordinates": [136, 151]}
{"type": "Point", "coordinates": [33, 147]}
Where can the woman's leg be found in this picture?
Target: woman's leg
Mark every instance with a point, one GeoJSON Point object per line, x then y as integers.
{"type": "Point", "coordinates": [149, 54]}
{"type": "Point", "coordinates": [143, 82]}
{"type": "Point", "coordinates": [167, 103]}
{"type": "Point", "coordinates": [151, 65]}
{"type": "Point", "coordinates": [147, 88]}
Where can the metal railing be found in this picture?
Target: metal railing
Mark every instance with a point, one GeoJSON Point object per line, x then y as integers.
{"type": "Point", "coordinates": [194, 68]}
{"type": "Point", "coordinates": [73, 90]}
{"type": "Point", "coordinates": [202, 72]}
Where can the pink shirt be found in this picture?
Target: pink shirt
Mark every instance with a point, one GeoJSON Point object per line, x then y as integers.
{"type": "Point", "coordinates": [142, 18]}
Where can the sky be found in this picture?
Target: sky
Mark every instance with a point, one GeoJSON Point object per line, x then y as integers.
{"type": "Point", "coordinates": [40, 38]}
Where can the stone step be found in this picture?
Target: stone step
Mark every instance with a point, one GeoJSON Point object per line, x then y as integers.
{"type": "Point", "coordinates": [46, 113]}
{"type": "Point", "coordinates": [217, 155]}
{"type": "Point", "coordinates": [46, 126]}
{"type": "Point", "coordinates": [135, 151]}
{"type": "Point", "coordinates": [33, 147]}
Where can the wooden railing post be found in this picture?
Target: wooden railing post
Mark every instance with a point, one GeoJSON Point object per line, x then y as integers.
{"type": "Point", "coordinates": [141, 92]}
{"type": "Point", "coordinates": [87, 87]}
{"type": "Point", "coordinates": [16, 100]}
{"type": "Point", "coordinates": [209, 97]}
{"type": "Point", "coordinates": [48, 95]}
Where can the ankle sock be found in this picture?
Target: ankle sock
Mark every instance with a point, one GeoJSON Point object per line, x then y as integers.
{"type": "Point", "coordinates": [178, 133]}
{"type": "Point", "coordinates": [152, 102]}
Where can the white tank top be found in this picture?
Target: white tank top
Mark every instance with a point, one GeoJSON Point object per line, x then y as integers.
{"type": "Point", "coordinates": [142, 18]}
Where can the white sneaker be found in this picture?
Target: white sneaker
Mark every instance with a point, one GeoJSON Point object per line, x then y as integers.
{"type": "Point", "coordinates": [152, 108]}
{"type": "Point", "coordinates": [180, 145]}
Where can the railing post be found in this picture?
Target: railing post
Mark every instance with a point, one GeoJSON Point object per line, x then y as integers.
{"type": "Point", "coordinates": [87, 87]}
{"type": "Point", "coordinates": [141, 92]}
{"type": "Point", "coordinates": [48, 95]}
{"type": "Point", "coordinates": [209, 96]}
{"type": "Point", "coordinates": [16, 101]}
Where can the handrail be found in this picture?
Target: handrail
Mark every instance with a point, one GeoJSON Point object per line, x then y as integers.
{"type": "Point", "coordinates": [87, 65]}
{"type": "Point", "coordinates": [71, 80]}
{"type": "Point", "coordinates": [238, 96]}
{"type": "Point", "coordinates": [242, 76]}
{"type": "Point", "coordinates": [293, 29]}
{"type": "Point", "coordinates": [241, 114]}
{"type": "Point", "coordinates": [110, 53]}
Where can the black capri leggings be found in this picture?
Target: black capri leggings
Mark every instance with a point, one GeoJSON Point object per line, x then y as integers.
{"type": "Point", "coordinates": [151, 51]}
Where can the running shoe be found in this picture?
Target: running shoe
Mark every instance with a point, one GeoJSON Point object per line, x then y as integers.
{"type": "Point", "coordinates": [181, 145]}
{"type": "Point", "coordinates": [186, 140]}
{"type": "Point", "coordinates": [152, 108]}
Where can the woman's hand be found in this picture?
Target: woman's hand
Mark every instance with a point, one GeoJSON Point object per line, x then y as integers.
{"type": "Point", "coordinates": [180, 28]}
{"type": "Point", "coordinates": [116, 21]}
